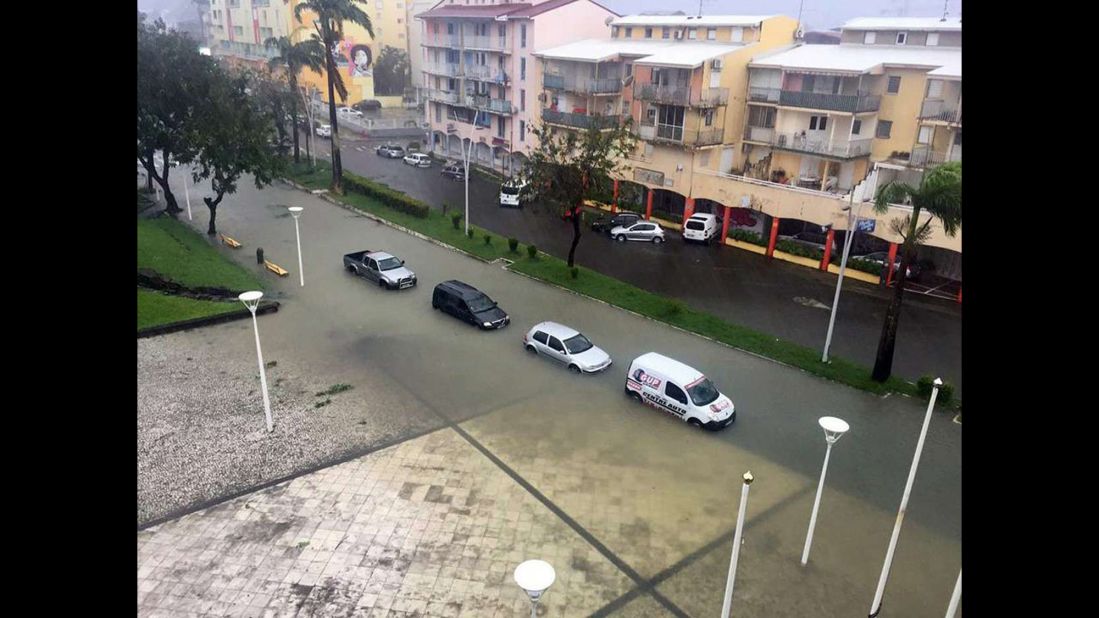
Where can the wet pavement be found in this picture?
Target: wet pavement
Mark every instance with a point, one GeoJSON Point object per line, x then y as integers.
{"type": "Point", "coordinates": [626, 486]}
{"type": "Point", "coordinates": [742, 287]}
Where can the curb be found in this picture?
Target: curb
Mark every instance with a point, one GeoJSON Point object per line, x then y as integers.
{"type": "Point", "coordinates": [232, 316]}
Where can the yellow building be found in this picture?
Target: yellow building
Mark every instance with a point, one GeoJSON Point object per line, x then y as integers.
{"type": "Point", "coordinates": [238, 28]}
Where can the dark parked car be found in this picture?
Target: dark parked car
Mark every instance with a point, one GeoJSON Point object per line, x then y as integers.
{"type": "Point", "coordinates": [454, 171]}
{"type": "Point", "coordinates": [367, 105]}
{"type": "Point", "coordinates": [390, 151]}
{"type": "Point", "coordinates": [605, 224]}
{"type": "Point", "coordinates": [882, 258]}
{"type": "Point", "coordinates": [468, 304]}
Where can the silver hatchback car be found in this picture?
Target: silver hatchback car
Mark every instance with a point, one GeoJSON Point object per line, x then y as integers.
{"type": "Point", "coordinates": [566, 346]}
{"type": "Point", "coordinates": [642, 230]}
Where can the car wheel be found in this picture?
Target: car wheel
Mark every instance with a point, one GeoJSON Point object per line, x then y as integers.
{"type": "Point", "coordinates": [381, 283]}
{"type": "Point", "coordinates": [635, 396]}
{"type": "Point", "coordinates": [695, 422]}
{"type": "Point", "coordinates": [657, 240]}
{"type": "Point", "coordinates": [351, 269]}
{"type": "Point", "coordinates": [532, 349]}
{"type": "Point", "coordinates": [621, 238]}
{"type": "Point", "coordinates": [574, 369]}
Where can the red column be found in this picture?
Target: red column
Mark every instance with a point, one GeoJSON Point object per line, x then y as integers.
{"type": "Point", "coordinates": [959, 295]}
{"type": "Point", "coordinates": [891, 261]}
{"type": "Point", "coordinates": [614, 201]}
{"type": "Point", "coordinates": [688, 208]}
{"type": "Point", "coordinates": [725, 224]}
{"type": "Point", "coordinates": [649, 205]}
{"type": "Point", "coordinates": [774, 237]}
{"type": "Point", "coordinates": [827, 249]}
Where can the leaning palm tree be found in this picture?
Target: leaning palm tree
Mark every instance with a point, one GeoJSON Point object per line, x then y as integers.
{"type": "Point", "coordinates": [329, 17]}
{"type": "Point", "coordinates": [940, 194]}
{"type": "Point", "coordinates": [307, 54]}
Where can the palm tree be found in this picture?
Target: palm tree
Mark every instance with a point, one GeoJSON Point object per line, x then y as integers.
{"type": "Point", "coordinates": [308, 54]}
{"type": "Point", "coordinates": [940, 194]}
{"type": "Point", "coordinates": [329, 20]}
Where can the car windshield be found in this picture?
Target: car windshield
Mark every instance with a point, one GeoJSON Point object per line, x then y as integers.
{"type": "Point", "coordinates": [481, 303]}
{"type": "Point", "coordinates": [695, 225]}
{"type": "Point", "coordinates": [703, 392]}
{"type": "Point", "coordinates": [509, 190]}
{"type": "Point", "coordinates": [578, 344]}
{"type": "Point", "coordinates": [389, 264]}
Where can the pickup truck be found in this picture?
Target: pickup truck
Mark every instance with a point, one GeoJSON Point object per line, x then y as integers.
{"type": "Point", "coordinates": [388, 271]}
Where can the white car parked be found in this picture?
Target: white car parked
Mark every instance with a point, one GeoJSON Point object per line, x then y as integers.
{"type": "Point", "coordinates": [325, 130]}
{"type": "Point", "coordinates": [642, 230]}
{"type": "Point", "coordinates": [566, 346]}
{"type": "Point", "coordinates": [343, 110]}
{"type": "Point", "coordinates": [702, 227]}
{"type": "Point", "coordinates": [418, 159]}
{"type": "Point", "coordinates": [669, 385]}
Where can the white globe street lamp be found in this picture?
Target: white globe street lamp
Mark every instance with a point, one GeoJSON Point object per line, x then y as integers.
{"type": "Point", "coordinates": [535, 577]}
{"type": "Point", "coordinates": [251, 300]}
{"type": "Point", "coordinates": [296, 212]}
{"type": "Point", "coordinates": [833, 428]}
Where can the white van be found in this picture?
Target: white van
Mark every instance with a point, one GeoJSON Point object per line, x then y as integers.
{"type": "Point", "coordinates": [701, 227]}
{"type": "Point", "coordinates": [669, 385]}
{"type": "Point", "coordinates": [514, 193]}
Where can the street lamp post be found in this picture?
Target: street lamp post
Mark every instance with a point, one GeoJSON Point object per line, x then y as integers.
{"type": "Point", "coordinates": [833, 428]}
{"type": "Point", "coordinates": [187, 195]}
{"type": "Point", "coordinates": [728, 603]}
{"type": "Point", "coordinates": [955, 598]}
{"type": "Point", "coordinates": [847, 242]}
{"type": "Point", "coordinates": [469, 151]}
{"type": "Point", "coordinates": [296, 212]}
{"type": "Point", "coordinates": [875, 607]}
{"type": "Point", "coordinates": [251, 300]}
{"type": "Point", "coordinates": [535, 577]}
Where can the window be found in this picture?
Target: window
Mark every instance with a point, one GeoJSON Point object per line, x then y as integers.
{"type": "Point", "coordinates": [522, 100]}
{"type": "Point", "coordinates": [894, 85]}
{"type": "Point", "coordinates": [666, 33]}
{"type": "Point", "coordinates": [924, 136]}
{"type": "Point", "coordinates": [500, 128]}
{"type": "Point", "coordinates": [450, 28]}
{"type": "Point", "coordinates": [614, 32]}
{"type": "Point", "coordinates": [884, 127]}
{"type": "Point", "coordinates": [629, 69]}
{"type": "Point", "coordinates": [522, 68]}
{"type": "Point", "coordinates": [400, 21]}
{"type": "Point", "coordinates": [761, 116]}
{"type": "Point", "coordinates": [737, 34]}
{"type": "Point", "coordinates": [870, 38]}
{"type": "Point", "coordinates": [692, 33]}
{"type": "Point", "coordinates": [648, 33]}
{"type": "Point", "coordinates": [676, 393]}
{"type": "Point", "coordinates": [670, 122]}
{"type": "Point", "coordinates": [438, 113]}
{"type": "Point", "coordinates": [238, 30]}
{"type": "Point", "coordinates": [902, 38]}
{"type": "Point", "coordinates": [266, 33]}
{"type": "Point", "coordinates": [711, 34]}
{"type": "Point", "coordinates": [502, 31]}
{"type": "Point", "coordinates": [932, 39]}
{"type": "Point", "coordinates": [818, 123]}
{"type": "Point", "coordinates": [708, 117]}
{"type": "Point", "coordinates": [856, 127]}
{"type": "Point", "coordinates": [555, 345]}
{"type": "Point", "coordinates": [522, 35]}
{"type": "Point", "coordinates": [541, 337]}
{"type": "Point", "coordinates": [629, 32]}
{"type": "Point", "coordinates": [522, 131]}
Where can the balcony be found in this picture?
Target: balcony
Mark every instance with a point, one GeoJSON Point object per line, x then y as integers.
{"type": "Point", "coordinates": [681, 95]}
{"type": "Point", "coordinates": [493, 43]}
{"type": "Point", "coordinates": [678, 136]}
{"type": "Point", "coordinates": [941, 111]}
{"type": "Point", "coordinates": [443, 96]}
{"type": "Point", "coordinates": [711, 97]}
{"type": "Point", "coordinates": [443, 40]}
{"type": "Point", "coordinates": [820, 146]}
{"type": "Point", "coordinates": [650, 177]}
{"type": "Point", "coordinates": [580, 121]}
{"type": "Point", "coordinates": [923, 156]}
{"type": "Point", "coordinates": [850, 103]}
{"type": "Point", "coordinates": [443, 68]}
{"type": "Point", "coordinates": [485, 73]}
{"type": "Point", "coordinates": [759, 134]}
{"type": "Point", "coordinates": [611, 85]}
{"type": "Point", "coordinates": [706, 137]}
{"type": "Point", "coordinates": [483, 102]}
{"type": "Point", "coordinates": [763, 95]}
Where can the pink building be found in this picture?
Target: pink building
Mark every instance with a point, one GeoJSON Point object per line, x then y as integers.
{"type": "Point", "coordinates": [479, 68]}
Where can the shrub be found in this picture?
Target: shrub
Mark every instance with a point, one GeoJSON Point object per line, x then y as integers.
{"type": "Point", "coordinates": [794, 248]}
{"type": "Point", "coordinates": [513, 244]}
{"type": "Point", "coordinates": [488, 240]}
{"type": "Point", "coordinates": [456, 219]}
{"type": "Point", "coordinates": [748, 237]}
{"type": "Point", "coordinates": [414, 146]}
{"type": "Point", "coordinates": [469, 233]}
{"type": "Point", "coordinates": [446, 207]}
{"type": "Point", "coordinates": [867, 267]}
{"type": "Point", "coordinates": [925, 385]}
{"type": "Point", "coordinates": [575, 272]}
{"type": "Point", "coordinates": [673, 307]}
{"type": "Point", "coordinates": [386, 195]}
{"type": "Point", "coordinates": [532, 251]}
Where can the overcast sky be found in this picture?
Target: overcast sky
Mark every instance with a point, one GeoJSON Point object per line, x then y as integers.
{"type": "Point", "coordinates": [816, 14]}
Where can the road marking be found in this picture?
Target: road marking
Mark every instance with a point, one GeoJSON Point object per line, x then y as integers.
{"type": "Point", "coordinates": [957, 419]}
{"type": "Point", "coordinates": [809, 302]}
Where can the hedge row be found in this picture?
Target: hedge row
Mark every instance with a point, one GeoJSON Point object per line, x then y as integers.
{"type": "Point", "coordinates": [794, 248]}
{"type": "Point", "coordinates": [386, 195]}
{"type": "Point", "coordinates": [748, 237]}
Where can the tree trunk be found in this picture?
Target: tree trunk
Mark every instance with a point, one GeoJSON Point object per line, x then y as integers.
{"type": "Point", "coordinates": [171, 207]}
{"type": "Point", "coordinates": [576, 212]}
{"type": "Point", "coordinates": [337, 168]}
{"type": "Point", "coordinates": [294, 115]}
{"type": "Point", "coordinates": [212, 204]}
{"type": "Point", "coordinates": [883, 362]}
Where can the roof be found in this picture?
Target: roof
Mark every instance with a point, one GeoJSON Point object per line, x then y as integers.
{"type": "Point", "coordinates": [904, 23]}
{"type": "Point", "coordinates": [671, 368]}
{"type": "Point", "coordinates": [690, 20]}
{"type": "Point", "coordinates": [549, 5]}
{"type": "Point", "coordinates": [688, 54]}
{"type": "Point", "coordinates": [560, 331]}
{"type": "Point", "coordinates": [857, 59]}
{"type": "Point", "coordinates": [465, 290]}
{"type": "Point", "coordinates": [380, 255]}
{"type": "Point", "coordinates": [952, 70]}
{"type": "Point", "coordinates": [513, 10]}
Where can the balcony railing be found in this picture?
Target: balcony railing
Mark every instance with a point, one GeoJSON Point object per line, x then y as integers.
{"type": "Point", "coordinates": [445, 96]}
{"type": "Point", "coordinates": [648, 176]}
{"type": "Point", "coordinates": [851, 103]}
{"type": "Point", "coordinates": [706, 137]}
{"type": "Point", "coordinates": [443, 40]}
{"type": "Point", "coordinates": [497, 43]}
{"type": "Point", "coordinates": [499, 106]}
{"type": "Point", "coordinates": [443, 68]}
{"type": "Point", "coordinates": [610, 85]}
{"type": "Point", "coordinates": [759, 134]}
{"type": "Point", "coordinates": [485, 73]}
{"type": "Point", "coordinates": [580, 121]}
{"type": "Point", "coordinates": [940, 110]}
{"type": "Point", "coordinates": [710, 97]}
{"type": "Point", "coordinates": [764, 95]}
{"type": "Point", "coordinates": [681, 95]}
{"type": "Point", "coordinates": [923, 156]}
{"type": "Point", "coordinates": [847, 149]}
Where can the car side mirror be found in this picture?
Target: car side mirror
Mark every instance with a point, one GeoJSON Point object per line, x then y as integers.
{"type": "Point", "coordinates": [402, 262]}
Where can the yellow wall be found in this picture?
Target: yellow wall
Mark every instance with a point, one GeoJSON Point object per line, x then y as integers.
{"type": "Point", "coordinates": [903, 109]}
{"type": "Point", "coordinates": [723, 34]}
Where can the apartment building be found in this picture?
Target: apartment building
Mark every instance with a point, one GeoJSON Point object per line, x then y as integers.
{"type": "Point", "coordinates": [236, 29]}
{"type": "Point", "coordinates": [415, 34]}
{"type": "Point", "coordinates": [480, 76]}
{"type": "Point", "coordinates": [820, 116]}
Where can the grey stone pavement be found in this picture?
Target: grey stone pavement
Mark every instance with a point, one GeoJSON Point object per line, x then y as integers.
{"type": "Point", "coordinates": [522, 460]}
{"type": "Point", "coordinates": [740, 286]}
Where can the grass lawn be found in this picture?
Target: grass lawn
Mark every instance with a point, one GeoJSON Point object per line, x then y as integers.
{"type": "Point", "coordinates": [181, 254]}
{"type": "Point", "coordinates": [615, 292]}
{"type": "Point", "coordinates": [154, 308]}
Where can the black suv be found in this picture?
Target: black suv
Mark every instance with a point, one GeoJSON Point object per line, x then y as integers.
{"type": "Point", "coordinates": [390, 151]}
{"type": "Point", "coordinates": [468, 304]}
{"type": "Point", "coordinates": [605, 224]}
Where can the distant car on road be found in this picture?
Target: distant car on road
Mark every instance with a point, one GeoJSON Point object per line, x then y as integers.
{"type": "Point", "coordinates": [325, 130]}
{"type": "Point", "coordinates": [566, 346]}
{"type": "Point", "coordinates": [388, 271]}
{"type": "Point", "coordinates": [390, 151]}
{"type": "Point", "coordinates": [642, 230]}
{"type": "Point", "coordinates": [347, 111]}
{"type": "Point", "coordinates": [418, 159]}
{"type": "Point", "coordinates": [515, 193]}
{"type": "Point", "coordinates": [468, 304]}
{"type": "Point", "coordinates": [606, 224]}
{"type": "Point", "coordinates": [454, 171]}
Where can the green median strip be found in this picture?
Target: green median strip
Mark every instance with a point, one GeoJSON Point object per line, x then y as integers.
{"type": "Point", "coordinates": [177, 252]}
{"type": "Point", "coordinates": [156, 309]}
{"type": "Point", "coordinates": [591, 283]}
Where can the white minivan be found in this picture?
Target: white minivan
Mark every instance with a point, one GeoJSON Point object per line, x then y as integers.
{"type": "Point", "coordinates": [702, 227]}
{"type": "Point", "coordinates": [514, 193]}
{"type": "Point", "coordinates": [669, 385]}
